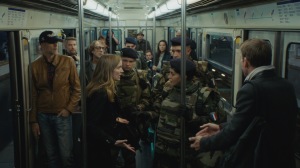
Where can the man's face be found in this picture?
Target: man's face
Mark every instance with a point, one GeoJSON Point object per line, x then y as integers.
{"type": "Point", "coordinates": [49, 49]}
{"type": "Point", "coordinates": [71, 47]}
{"type": "Point", "coordinates": [244, 65]}
{"type": "Point", "coordinates": [176, 51]}
{"type": "Point", "coordinates": [130, 45]}
{"type": "Point", "coordinates": [128, 63]}
{"type": "Point", "coordinates": [99, 49]}
{"type": "Point", "coordinates": [149, 56]}
{"type": "Point", "coordinates": [139, 37]}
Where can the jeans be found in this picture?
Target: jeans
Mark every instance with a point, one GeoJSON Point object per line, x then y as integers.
{"type": "Point", "coordinates": [56, 134]}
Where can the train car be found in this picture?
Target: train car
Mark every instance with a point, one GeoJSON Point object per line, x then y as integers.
{"type": "Point", "coordinates": [217, 26]}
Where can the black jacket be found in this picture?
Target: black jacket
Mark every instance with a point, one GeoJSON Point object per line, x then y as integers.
{"type": "Point", "coordinates": [279, 99]}
{"type": "Point", "coordinates": [101, 128]}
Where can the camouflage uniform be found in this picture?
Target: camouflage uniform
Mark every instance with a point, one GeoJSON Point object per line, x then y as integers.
{"type": "Point", "coordinates": [134, 96]}
{"type": "Point", "coordinates": [201, 105]}
{"type": "Point", "coordinates": [206, 77]}
{"type": "Point", "coordinates": [141, 62]}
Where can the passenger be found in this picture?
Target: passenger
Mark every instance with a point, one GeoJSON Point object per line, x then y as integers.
{"type": "Point", "coordinates": [142, 44]}
{"type": "Point", "coordinates": [160, 84]}
{"type": "Point", "coordinates": [141, 62]}
{"type": "Point", "coordinates": [258, 97]}
{"type": "Point", "coordinates": [134, 95]}
{"type": "Point", "coordinates": [176, 47]}
{"type": "Point", "coordinates": [102, 38]}
{"type": "Point", "coordinates": [149, 58]}
{"type": "Point", "coordinates": [162, 54]}
{"type": "Point", "coordinates": [114, 42]}
{"type": "Point", "coordinates": [103, 109]}
{"type": "Point", "coordinates": [55, 95]}
{"type": "Point", "coordinates": [130, 42]}
{"type": "Point", "coordinates": [193, 45]}
{"type": "Point", "coordinates": [96, 50]}
{"type": "Point", "coordinates": [71, 50]}
{"type": "Point", "coordinates": [168, 134]}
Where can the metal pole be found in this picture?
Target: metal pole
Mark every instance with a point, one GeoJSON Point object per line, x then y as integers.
{"type": "Point", "coordinates": [110, 31]}
{"type": "Point", "coordinates": [154, 34]}
{"type": "Point", "coordinates": [183, 81]}
{"type": "Point", "coordinates": [82, 81]}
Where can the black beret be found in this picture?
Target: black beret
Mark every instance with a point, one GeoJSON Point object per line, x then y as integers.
{"type": "Point", "coordinates": [190, 66]}
{"type": "Point", "coordinates": [130, 40]}
{"type": "Point", "coordinates": [129, 52]}
{"type": "Point", "coordinates": [176, 41]}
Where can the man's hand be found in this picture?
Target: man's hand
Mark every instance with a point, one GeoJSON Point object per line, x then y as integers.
{"type": "Point", "coordinates": [122, 120]}
{"type": "Point", "coordinates": [196, 142]}
{"type": "Point", "coordinates": [35, 129]}
{"type": "Point", "coordinates": [122, 143]}
{"type": "Point", "coordinates": [208, 129]}
{"type": "Point", "coordinates": [63, 113]}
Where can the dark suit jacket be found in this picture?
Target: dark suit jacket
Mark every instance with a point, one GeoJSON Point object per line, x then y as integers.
{"type": "Point", "coordinates": [279, 99]}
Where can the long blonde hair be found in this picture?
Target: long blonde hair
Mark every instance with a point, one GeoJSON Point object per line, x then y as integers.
{"type": "Point", "coordinates": [103, 76]}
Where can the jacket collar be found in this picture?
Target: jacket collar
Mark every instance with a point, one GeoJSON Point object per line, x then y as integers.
{"type": "Point", "coordinates": [55, 60]}
{"type": "Point", "coordinates": [258, 70]}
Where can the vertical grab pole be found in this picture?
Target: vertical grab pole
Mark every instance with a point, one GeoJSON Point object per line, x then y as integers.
{"type": "Point", "coordinates": [82, 81]}
{"type": "Point", "coordinates": [110, 31]}
{"type": "Point", "coordinates": [183, 82]}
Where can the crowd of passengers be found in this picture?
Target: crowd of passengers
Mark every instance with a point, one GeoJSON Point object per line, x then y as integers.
{"type": "Point", "coordinates": [134, 113]}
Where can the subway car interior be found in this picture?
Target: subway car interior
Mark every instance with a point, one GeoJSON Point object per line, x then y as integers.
{"type": "Point", "coordinates": [217, 26]}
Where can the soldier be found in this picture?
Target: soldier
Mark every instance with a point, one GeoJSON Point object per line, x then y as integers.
{"type": "Point", "coordinates": [197, 109]}
{"type": "Point", "coordinates": [134, 96]}
{"type": "Point", "coordinates": [141, 61]}
{"type": "Point", "coordinates": [142, 44]}
{"type": "Point", "coordinates": [160, 84]}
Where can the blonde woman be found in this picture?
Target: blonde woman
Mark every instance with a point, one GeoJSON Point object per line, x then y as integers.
{"type": "Point", "coordinates": [102, 113]}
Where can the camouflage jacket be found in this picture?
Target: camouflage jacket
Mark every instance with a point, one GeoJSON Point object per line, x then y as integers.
{"type": "Point", "coordinates": [134, 91]}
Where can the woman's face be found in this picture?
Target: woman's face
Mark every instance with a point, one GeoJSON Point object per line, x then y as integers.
{"type": "Point", "coordinates": [162, 46]}
{"type": "Point", "coordinates": [174, 78]}
{"type": "Point", "coordinates": [118, 71]}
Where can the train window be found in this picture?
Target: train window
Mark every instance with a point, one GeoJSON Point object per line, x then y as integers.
{"type": "Point", "coordinates": [220, 49]}
{"type": "Point", "coordinates": [220, 56]}
{"type": "Point", "coordinates": [34, 48]}
{"type": "Point", "coordinates": [118, 35]}
{"type": "Point", "coordinates": [293, 67]}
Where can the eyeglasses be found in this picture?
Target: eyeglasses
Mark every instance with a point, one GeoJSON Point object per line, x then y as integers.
{"type": "Point", "coordinates": [99, 48]}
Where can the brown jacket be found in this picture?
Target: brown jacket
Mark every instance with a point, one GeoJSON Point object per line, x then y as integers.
{"type": "Point", "coordinates": [66, 86]}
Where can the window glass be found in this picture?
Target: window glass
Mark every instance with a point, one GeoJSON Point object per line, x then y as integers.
{"type": "Point", "coordinates": [118, 35]}
{"type": "Point", "coordinates": [293, 67]}
{"type": "Point", "coordinates": [220, 56]}
{"type": "Point", "coordinates": [221, 49]}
